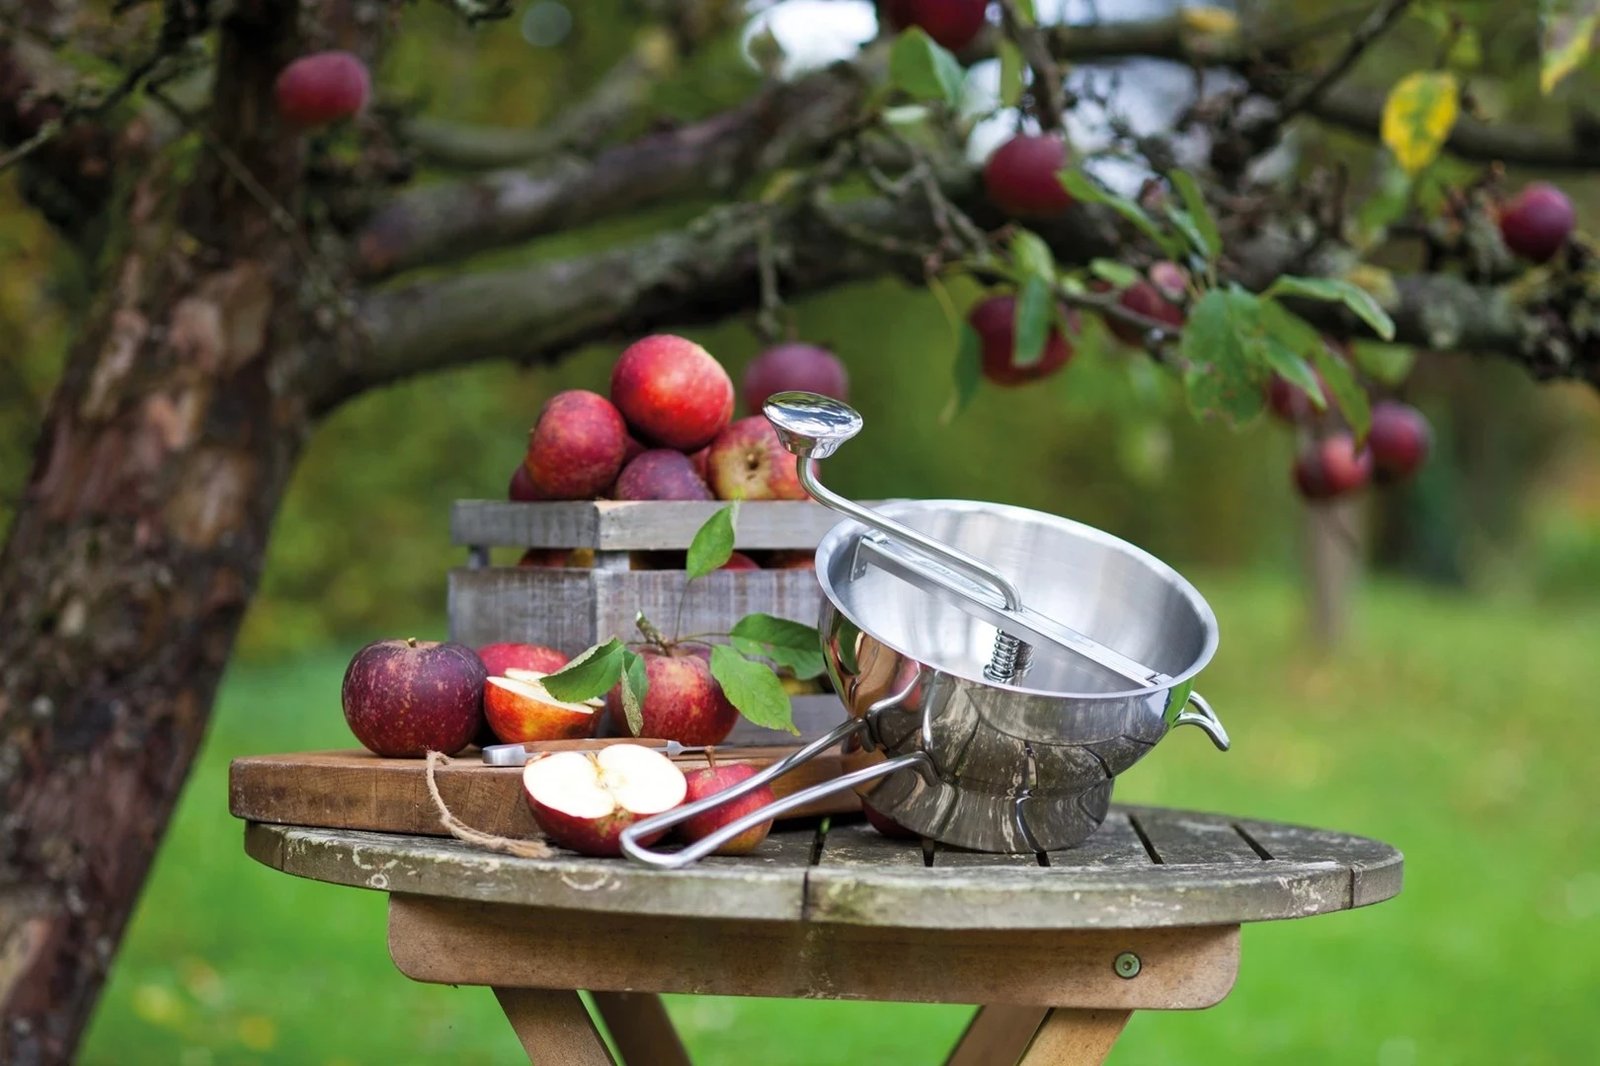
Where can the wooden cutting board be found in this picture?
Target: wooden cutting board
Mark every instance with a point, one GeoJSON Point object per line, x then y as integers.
{"type": "Point", "coordinates": [359, 790]}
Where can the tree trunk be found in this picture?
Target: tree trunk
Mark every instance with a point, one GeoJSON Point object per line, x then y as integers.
{"type": "Point", "coordinates": [140, 538]}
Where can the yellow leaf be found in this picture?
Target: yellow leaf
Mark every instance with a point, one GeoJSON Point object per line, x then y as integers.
{"type": "Point", "coordinates": [1418, 117]}
{"type": "Point", "coordinates": [1211, 21]}
{"type": "Point", "coordinates": [1378, 282]}
{"type": "Point", "coordinates": [1566, 37]}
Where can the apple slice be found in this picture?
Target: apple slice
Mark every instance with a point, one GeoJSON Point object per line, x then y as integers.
{"type": "Point", "coordinates": [584, 800]}
{"type": "Point", "coordinates": [520, 709]}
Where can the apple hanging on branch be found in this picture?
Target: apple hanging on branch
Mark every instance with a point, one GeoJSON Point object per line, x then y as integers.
{"type": "Point", "coordinates": [693, 689]}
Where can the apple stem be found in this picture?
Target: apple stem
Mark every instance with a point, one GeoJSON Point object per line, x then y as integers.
{"type": "Point", "coordinates": [411, 642]}
{"type": "Point", "coordinates": [651, 633]}
{"type": "Point", "coordinates": [711, 757]}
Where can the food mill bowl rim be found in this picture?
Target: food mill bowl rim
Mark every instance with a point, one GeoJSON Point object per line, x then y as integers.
{"type": "Point", "coordinates": [842, 531]}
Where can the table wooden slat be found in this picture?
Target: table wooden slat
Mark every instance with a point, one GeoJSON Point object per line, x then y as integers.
{"type": "Point", "coordinates": [1181, 838]}
{"type": "Point", "coordinates": [865, 879]}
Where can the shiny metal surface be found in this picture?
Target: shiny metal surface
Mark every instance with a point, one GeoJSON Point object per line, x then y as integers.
{"type": "Point", "coordinates": [1020, 762]}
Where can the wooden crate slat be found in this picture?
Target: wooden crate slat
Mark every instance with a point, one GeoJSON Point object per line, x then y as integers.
{"type": "Point", "coordinates": [621, 525]}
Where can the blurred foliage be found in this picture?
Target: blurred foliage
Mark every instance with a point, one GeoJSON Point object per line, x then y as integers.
{"type": "Point", "coordinates": [362, 542]}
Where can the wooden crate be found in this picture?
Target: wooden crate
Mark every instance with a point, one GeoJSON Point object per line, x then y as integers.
{"type": "Point", "coordinates": [571, 609]}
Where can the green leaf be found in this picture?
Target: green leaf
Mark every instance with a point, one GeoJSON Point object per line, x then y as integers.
{"type": "Point", "coordinates": [923, 70]}
{"type": "Point", "coordinates": [1567, 32]}
{"type": "Point", "coordinates": [1119, 274]}
{"type": "Point", "coordinates": [712, 545]}
{"type": "Point", "coordinates": [591, 674]}
{"type": "Point", "coordinates": [1290, 366]}
{"type": "Point", "coordinates": [1207, 239]}
{"type": "Point", "coordinates": [1333, 290]}
{"type": "Point", "coordinates": [847, 636]}
{"type": "Point", "coordinates": [1224, 344]}
{"type": "Point", "coordinates": [1185, 225]}
{"type": "Point", "coordinates": [1032, 256]}
{"type": "Point", "coordinates": [1418, 116]}
{"type": "Point", "coordinates": [787, 643]}
{"type": "Point", "coordinates": [1011, 68]}
{"type": "Point", "coordinates": [1032, 322]}
{"type": "Point", "coordinates": [1389, 364]}
{"type": "Point", "coordinates": [968, 372]}
{"type": "Point", "coordinates": [753, 688]}
{"type": "Point", "coordinates": [635, 687]}
{"type": "Point", "coordinates": [1085, 190]}
{"type": "Point", "coordinates": [1347, 391]}
{"type": "Point", "coordinates": [1338, 379]}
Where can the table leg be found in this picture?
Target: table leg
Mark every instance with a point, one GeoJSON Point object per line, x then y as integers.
{"type": "Point", "coordinates": [554, 1027]}
{"type": "Point", "coordinates": [997, 1035]}
{"type": "Point", "coordinates": [640, 1028]}
{"type": "Point", "coordinates": [1075, 1037]}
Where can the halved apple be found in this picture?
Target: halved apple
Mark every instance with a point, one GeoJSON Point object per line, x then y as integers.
{"type": "Point", "coordinates": [584, 800]}
{"type": "Point", "coordinates": [520, 710]}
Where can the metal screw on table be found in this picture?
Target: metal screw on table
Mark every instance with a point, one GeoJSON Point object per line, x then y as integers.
{"type": "Point", "coordinates": [1126, 965]}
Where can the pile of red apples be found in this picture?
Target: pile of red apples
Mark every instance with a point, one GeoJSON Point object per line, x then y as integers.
{"type": "Point", "coordinates": [405, 698]}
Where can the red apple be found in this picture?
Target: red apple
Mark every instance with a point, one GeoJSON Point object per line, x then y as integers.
{"type": "Point", "coordinates": [1291, 403]}
{"type": "Point", "coordinates": [791, 560]}
{"type": "Point", "coordinates": [886, 825]}
{"type": "Point", "coordinates": [322, 87]}
{"type": "Point", "coordinates": [522, 489]}
{"type": "Point", "coordinates": [1332, 467]}
{"type": "Point", "coordinates": [520, 710]}
{"type": "Point", "coordinates": [740, 561]}
{"type": "Point", "coordinates": [661, 474]}
{"type": "Point", "coordinates": [1400, 439]}
{"type": "Point", "coordinates": [1159, 298]}
{"type": "Point", "coordinates": [749, 462]}
{"type": "Point", "coordinates": [709, 782]}
{"type": "Point", "coordinates": [1536, 222]}
{"type": "Point", "coordinates": [994, 320]}
{"type": "Point", "coordinates": [672, 392]}
{"type": "Point", "coordinates": [405, 698]}
{"type": "Point", "coordinates": [684, 702]}
{"type": "Point", "coordinates": [793, 367]}
{"type": "Point", "coordinates": [575, 450]}
{"type": "Point", "coordinates": [1021, 177]}
{"type": "Point", "coordinates": [632, 450]}
{"type": "Point", "coordinates": [952, 23]}
{"type": "Point", "coordinates": [511, 655]}
{"type": "Point", "coordinates": [702, 463]}
{"type": "Point", "coordinates": [584, 800]}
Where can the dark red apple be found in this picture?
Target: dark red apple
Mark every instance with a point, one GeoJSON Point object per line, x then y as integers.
{"type": "Point", "coordinates": [1289, 402]}
{"type": "Point", "coordinates": [748, 462]}
{"type": "Point", "coordinates": [886, 825]}
{"type": "Point", "coordinates": [584, 800]}
{"type": "Point", "coordinates": [684, 702]}
{"type": "Point", "coordinates": [320, 88]}
{"type": "Point", "coordinates": [661, 474]}
{"type": "Point", "coordinates": [994, 319]}
{"type": "Point", "coordinates": [672, 392]}
{"type": "Point", "coordinates": [557, 557]}
{"type": "Point", "coordinates": [522, 489]}
{"type": "Point", "coordinates": [1400, 440]}
{"type": "Point", "coordinates": [1537, 221]}
{"type": "Point", "coordinates": [709, 782]}
{"type": "Point", "coordinates": [793, 367]}
{"type": "Point", "coordinates": [1332, 467]}
{"type": "Point", "coordinates": [575, 450]}
{"type": "Point", "coordinates": [1144, 298]}
{"type": "Point", "coordinates": [405, 698]}
{"type": "Point", "coordinates": [632, 450]}
{"type": "Point", "coordinates": [1022, 178]}
{"type": "Point", "coordinates": [791, 560]}
{"type": "Point", "coordinates": [740, 561]}
{"type": "Point", "coordinates": [702, 463]}
{"type": "Point", "coordinates": [952, 23]}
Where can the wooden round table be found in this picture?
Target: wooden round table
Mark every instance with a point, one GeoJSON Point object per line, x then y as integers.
{"type": "Point", "coordinates": [1059, 950]}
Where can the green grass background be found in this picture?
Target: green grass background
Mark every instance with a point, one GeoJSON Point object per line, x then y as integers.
{"type": "Point", "coordinates": [1461, 730]}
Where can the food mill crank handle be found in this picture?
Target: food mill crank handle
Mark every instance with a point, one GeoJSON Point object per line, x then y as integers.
{"type": "Point", "coordinates": [813, 427]}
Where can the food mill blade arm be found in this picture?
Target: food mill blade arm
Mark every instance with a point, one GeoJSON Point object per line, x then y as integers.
{"type": "Point", "coordinates": [1028, 624]}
